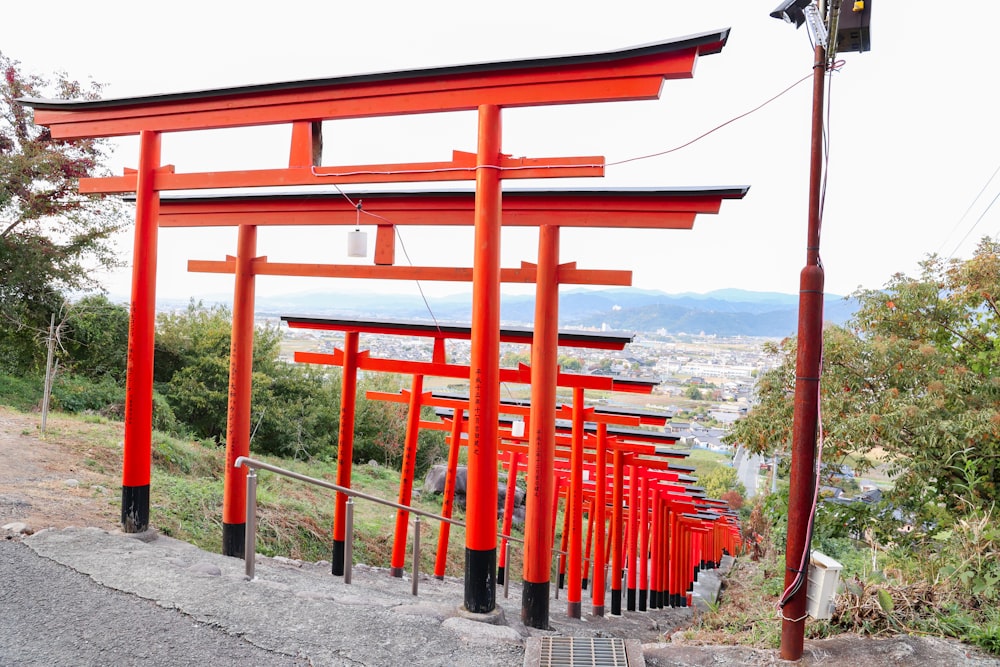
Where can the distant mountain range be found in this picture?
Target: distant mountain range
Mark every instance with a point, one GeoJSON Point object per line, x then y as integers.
{"type": "Point", "coordinates": [726, 312]}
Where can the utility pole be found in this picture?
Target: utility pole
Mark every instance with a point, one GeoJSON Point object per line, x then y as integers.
{"type": "Point", "coordinates": [843, 31]}
{"type": "Point", "coordinates": [807, 371]}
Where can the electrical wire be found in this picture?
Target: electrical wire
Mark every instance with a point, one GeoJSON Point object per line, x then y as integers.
{"type": "Point", "coordinates": [714, 129]}
{"type": "Point", "coordinates": [979, 219]}
{"type": "Point", "coordinates": [440, 170]}
{"type": "Point", "coordinates": [971, 204]}
{"type": "Point", "coordinates": [800, 575]}
{"type": "Point", "coordinates": [360, 209]}
{"type": "Point", "coordinates": [834, 66]}
{"type": "Point", "coordinates": [419, 287]}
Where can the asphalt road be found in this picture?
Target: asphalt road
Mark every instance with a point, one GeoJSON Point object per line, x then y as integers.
{"type": "Point", "coordinates": [52, 615]}
{"type": "Point", "coordinates": [290, 609]}
{"type": "Point", "coordinates": [748, 471]}
{"type": "Point", "coordinates": [87, 597]}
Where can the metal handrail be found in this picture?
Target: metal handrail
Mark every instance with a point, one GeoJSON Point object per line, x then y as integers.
{"type": "Point", "coordinates": [252, 464]}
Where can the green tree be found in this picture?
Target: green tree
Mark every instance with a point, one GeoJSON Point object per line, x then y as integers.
{"type": "Point", "coordinates": [191, 366]}
{"type": "Point", "coordinates": [51, 237]}
{"type": "Point", "coordinates": [570, 364]}
{"type": "Point", "coordinates": [295, 408]}
{"type": "Point", "coordinates": [512, 359]}
{"type": "Point", "coordinates": [95, 338]}
{"type": "Point", "coordinates": [719, 480]}
{"type": "Point", "coordinates": [912, 378]}
{"type": "Point", "coordinates": [693, 393]}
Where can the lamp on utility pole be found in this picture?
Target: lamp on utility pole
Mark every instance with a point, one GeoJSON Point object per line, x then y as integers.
{"type": "Point", "coordinates": [802, 489]}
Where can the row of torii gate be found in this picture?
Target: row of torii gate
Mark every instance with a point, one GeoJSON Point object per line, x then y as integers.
{"type": "Point", "coordinates": [629, 74]}
{"type": "Point", "coordinates": [601, 458]}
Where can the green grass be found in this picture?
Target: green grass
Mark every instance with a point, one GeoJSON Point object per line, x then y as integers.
{"type": "Point", "coordinates": [24, 394]}
{"type": "Point", "coordinates": [294, 518]}
{"type": "Point", "coordinates": [704, 460]}
{"type": "Point", "coordinates": [745, 613]}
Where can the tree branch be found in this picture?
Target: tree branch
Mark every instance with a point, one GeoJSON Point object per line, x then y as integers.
{"type": "Point", "coordinates": [9, 229]}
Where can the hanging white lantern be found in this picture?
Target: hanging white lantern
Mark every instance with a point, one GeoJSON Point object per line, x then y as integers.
{"type": "Point", "coordinates": [357, 243]}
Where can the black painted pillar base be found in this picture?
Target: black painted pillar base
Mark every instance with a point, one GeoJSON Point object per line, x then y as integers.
{"type": "Point", "coordinates": [135, 508]}
{"type": "Point", "coordinates": [500, 574]}
{"type": "Point", "coordinates": [480, 580]}
{"type": "Point", "coordinates": [573, 609]}
{"type": "Point", "coordinates": [396, 572]}
{"type": "Point", "coordinates": [598, 610]}
{"type": "Point", "coordinates": [583, 584]}
{"type": "Point", "coordinates": [234, 537]}
{"type": "Point", "coordinates": [562, 580]}
{"type": "Point", "coordinates": [616, 602]}
{"type": "Point", "coordinates": [337, 558]}
{"type": "Point", "coordinates": [535, 605]}
{"type": "Point", "coordinates": [642, 599]}
{"type": "Point", "coordinates": [630, 601]}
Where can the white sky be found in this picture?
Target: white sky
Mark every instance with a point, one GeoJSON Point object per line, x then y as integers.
{"type": "Point", "coordinates": [913, 129]}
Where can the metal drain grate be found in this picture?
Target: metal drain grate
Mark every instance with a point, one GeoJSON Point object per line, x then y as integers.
{"type": "Point", "coordinates": [582, 652]}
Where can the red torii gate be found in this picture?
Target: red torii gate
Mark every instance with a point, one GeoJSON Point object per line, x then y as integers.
{"type": "Point", "coordinates": [416, 400]}
{"type": "Point", "coordinates": [449, 206]}
{"type": "Point", "coordinates": [640, 208]}
{"type": "Point", "coordinates": [662, 536]}
{"type": "Point", "coordinates": [636, 444]}
{"type": "Point", "coordinates": [351, 361]}
{"type": "Point", "coordinates": [665, 208]}
{"type": "Point", "coordinates": [628, 74]}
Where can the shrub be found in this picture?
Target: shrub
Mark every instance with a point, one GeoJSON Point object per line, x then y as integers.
{"type": "Point", "coordinates": [23, 393]}
{"type": "Point", "coordinates": [74, 393]}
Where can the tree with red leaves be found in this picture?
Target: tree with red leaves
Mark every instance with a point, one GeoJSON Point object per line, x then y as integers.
{"type": "Point", "coordinates": [52, 238]}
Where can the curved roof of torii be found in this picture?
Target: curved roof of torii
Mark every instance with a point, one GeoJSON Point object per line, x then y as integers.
{"type": "Point", "coordinates": [707, 43]}
{"type": "Point", "coordinates": [632, 73]}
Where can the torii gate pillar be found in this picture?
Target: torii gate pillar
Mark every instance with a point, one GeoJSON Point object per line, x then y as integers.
{"type": "Point", "coordinates": [542, 489]}
{"type": "Point", "coordinates": [137, 455]}
{"type": "Point", "coordinates": [484, 381]}
{"type": "Point", "coordinates": [234, 511]}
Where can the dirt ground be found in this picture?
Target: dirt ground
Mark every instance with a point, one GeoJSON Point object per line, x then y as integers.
{"type": "Point", "coordinates": [46, 482]}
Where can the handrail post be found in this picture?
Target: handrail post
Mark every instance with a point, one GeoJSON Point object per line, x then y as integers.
{"type": "Point", "coordinates": [555, 565]}
{"type": "Point", "coordinates": [416, 552]}
{"type": "Point", "coordinates": [250, 539]}
{"type": "Point", "coordinates": [348, 539]}
{"type": "Point", "coordinates": [250, 543]}
{"type": "Point", "coordinates": [506, 560]}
